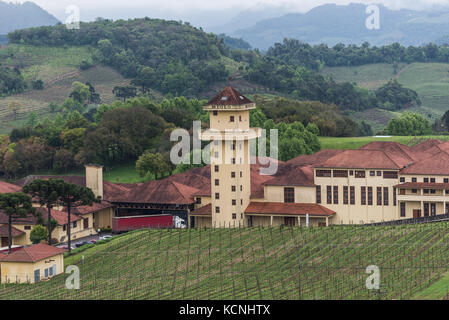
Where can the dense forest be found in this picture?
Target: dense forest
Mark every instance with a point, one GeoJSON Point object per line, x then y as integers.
{"type": "Point", "coordinates": [11, 81]}
{"type": "Point", "coordinates": [180, 60]}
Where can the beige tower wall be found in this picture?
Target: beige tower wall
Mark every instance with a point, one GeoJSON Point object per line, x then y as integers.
{"type": "Point", "coordinates": [94, 179]}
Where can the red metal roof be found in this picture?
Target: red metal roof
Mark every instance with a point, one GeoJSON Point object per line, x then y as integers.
{"type": "Point", "coordinates": [279, 208]}
{"type": "Point", "coordinates": [32, 253]}
{"type": "Point", "coordinates": [229, 96]}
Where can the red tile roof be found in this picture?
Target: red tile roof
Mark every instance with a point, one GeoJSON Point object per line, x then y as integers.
{"type": "Point", "coordinates": [60, 216]}
{"type": "Point", "coordinates": [28, 220]}
{"type": "Point", "coordinates": [314, 159]}
{"type": "Point", "coordinates": [203, 211]}
{"type": "Point", "coordinates": [95, 207]}
{"type": "Point", "coordinates": [32, 253]}
{"type": "Point", "coordinates": [4, 233]}
{"type": "Point", "coordinates": [361, 159]}
{"type": "Point", "coordinates": [437, 164]}
{"type": "Point", "coordinates": [229, 96]}
{"type": "Point", "coordinates": [279, 208]}
{"type": "Point", "coordinates": [423, 185]}
{"type": "Point", "coordinates": [6, 187]}
{"type": "Point", "coordinates": [291, 175]}
{"type": "Point", "coordinates": [426, 145]}
{"type": "Point", "coordinates": [401, 154]}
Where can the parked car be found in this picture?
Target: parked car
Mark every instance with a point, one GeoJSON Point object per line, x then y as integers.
{"type": "Point", "coordinates": [105, 237]}
{"type": "Point", "coordinates": [81, 244]}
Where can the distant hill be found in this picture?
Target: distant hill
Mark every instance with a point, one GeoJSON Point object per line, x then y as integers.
{"type": "Point", "coordinates": [332, 24]}
{"type": "Point", "coordinates": [14, 16]}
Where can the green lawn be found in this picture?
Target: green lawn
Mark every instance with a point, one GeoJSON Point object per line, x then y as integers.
{"type": "Point", "coordinates": [437, 291]}
{"type": "Point", "coordinates": [357, 142]}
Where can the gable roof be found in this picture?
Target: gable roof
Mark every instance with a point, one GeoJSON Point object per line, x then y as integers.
{"type": "Point", "coordinates": [401, 154]}
{"type": "Point", "coordinates": [314, 159]}
{"type": "Point", "coordinates": [361, 159]}
{"type": "Point", "coordinates": [32, 253]}
{"type": "Point", "coordinates": [426, 145]}
{"type": "Point", "coordinates": [229, 96]}
{"type": "Point", "coordinates": [60, 216]}
{"type": "Point", "coordinates": [437, 164]}
{"type": "Point", "coordinates": [280, 208]}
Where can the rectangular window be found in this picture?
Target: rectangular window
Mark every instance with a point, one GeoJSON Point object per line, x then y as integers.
{"type": "Point", "coordinates": [402, 179]}
{"type": "Point", "coordinates": [27, 227]}
{"type": "Point", "coordinates": [217, 182]}
{"type": "Point", "coordinates": [241, 188]}
{"type": "Point", "coordinates": [402, 209]}
{"type": "Point", "coordinates": [232, 188]}
{"type": "Point", "coordinates": [241, 174]}
{"type": "Point", "coordinates": [233, 146]}
{"type": "Point", "coordinates": [379, 196]}
{"type": "Point", "coordinates": [372, 173]}
{"type": "Point", "coordinates": [414, 180]}
{"type": "Point", "coordinates": [324, 173]}
{"type": "Point", "coordinates": [414, 190]}
{"type": "Point", "coordinates": [318, 194]}
{"type": "Point", "coordinates": [426, 190]}
{"type": "Point", "coordinates": [360, 174]}
{"type": "Point", "coordinates": [379, 173]}
{"type": "Point", "coordinates": [432, 180]}
{"type": "Point", "coordinates": [86, 223]}
{"type": "Point", "coordinates": [426, 180]}
{"type": "Point", "coordinates": [216, 169]}
{"type": "Point", "coordinates": [232, 174]}
{"type": "Point", "coordinates": [426, 209]}
{"type": "Point", "coordinates": [215, 113]}
{"type": "Point", "coordinates": [234, 216]}
{"type": "Point", "coordinates": [50, 271]}
{"type": "Point", "coordinates": [386, 199]}
{"type": "Point", "coordinates": [394, 197]}
{"type": "Point", "coordinates": [390, 175]}
{"type": "Point", "coordinates": [433, 209]}
{"type": "Point", "coordinates": [352, 194]}
{"type": "Point", "coordinates": [231, 119]}
{"type": "Point", "coordinates": [433, 191]}
{"type": "Point", "coordinates": [46, 273]}
{"type": "Point", "coordinates": [232, 160]}
{"type": "Point", "coordinates": [198, 200]}
{"type": "Point", "coordinates": [363, 196]}
{"type": "Point", "coordinates": [234, 202]}
{"type": "Point", "coordinates": [217, 209]}
{"type": "Point", "coordinates": [289, 195]}
{"type": "Point", "coordinates": [74, 224]}
{"type": "Point", "coordinates": [335, 194]}
{"type": "Point", "coordinates": [217, 196]}
{"type": "Point", "coordinates": [329, 194]}
{"type": "Point", "coordinates": [216, 154]}
{"type": "Point", "coordinates": [345, 194]}
{"type": "Point", "coordinates": [240, 118]}
{"type": "Point", "coordinates": [340, 173]}
{"type": "Point", "coordinates": [351, 172]}
{"type": "Point", "coordinates": [446, 180]}
{"type": "Point", "coordinates": [370, 196]}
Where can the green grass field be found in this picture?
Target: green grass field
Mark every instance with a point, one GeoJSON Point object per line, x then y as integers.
{"type": "Point", "coordinates": [256, 264]}
{"type": "Point", "coordinates": [357, 142]}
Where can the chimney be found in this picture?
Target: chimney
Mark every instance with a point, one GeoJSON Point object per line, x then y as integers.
{"type": "Point", "coordinates": [94, 179]}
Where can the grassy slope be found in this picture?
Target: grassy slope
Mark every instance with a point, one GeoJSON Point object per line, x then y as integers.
{"type": "Point", "coordinates": [58, 68]}
{"type": "Point", "coordinates": [429, 80]}
{"type": "Point", "coordinates": [256, 263]}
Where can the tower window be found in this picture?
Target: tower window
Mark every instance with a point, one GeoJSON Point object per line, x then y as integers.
{"type": "Point", "coordinates": [232, 174]}
{"type": "Point", "coordinates": [241, 174]}
{"type": "Point", "coordinates": [234, 216]}
{"type": "Point", "coordinates": [234, 202]}
{"type": "Point", "coordinates": [217, 209]}
{"type": "Point", "coordinates": [231, 118]}
{"type": "Point", "coordinates": [233, 188]}
{"type": "Point", "coordinates": [214, 113]}
{"type": "Point", "coordinates": [198, 200]}
{"type": "Point", "coordinates": [233, 161]}
{"type": "Point", "coordinates": [217, 196]}
{"type": "Point", "coordinates": [216, 169]}
{"type": "Point", "coordinates": [217, 182]}
{"type": "Point", "coordinates": [240, 118]}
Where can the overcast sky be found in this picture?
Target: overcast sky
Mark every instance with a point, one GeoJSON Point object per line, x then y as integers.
{"type": "Point", "coordinates": [191, 9]}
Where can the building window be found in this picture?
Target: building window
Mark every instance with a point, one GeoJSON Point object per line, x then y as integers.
{"type": "Point", "coordinates": [340, 173]}
{"type": "Point", "coordinates": [64, 227]}
{"type": "Point", "coordinates": [390, 175]}
{"type": "Point", "coordinates": [216, 169]}
{"type": "Point", "coordinates": [240, 118]}
{"type": "Point", "coordinates": [372, 173]}
{"type": "Point", "coordinates": [345, 194]}
{"type": "Point", "coordinates": [363, 195]}
{"type": "Point", "coordinates": [414, 180]}
{"type": "Point", "coordinates": [232, 174]}
{"type": "Point", "coordinates": [426, 191]}
{"type": "Point", "coordinates": [217, 182]}
{"type": "Point", "coordinates": [351, 172]}
{"type": "Point", "coordinates": [433, 209]}
{"type": "Point", "coordinates": [402, 209]}
{"type": "Point", "coordinates": [329, 195]}
{"type": "Point", "coordinates": [324, 173]}
{"type": "Point", "coordinates": [426, 209]}
{"type": "Point", "coordinates": [386, 199]}
{"type": "Point", "coordinates": [27, 227]}
{"type": "Point", "coordinates": [335, 194]}
{"type": "Point", "coordinates": [446, 180]}
{"type": "Point", "coordinates": [233, 146]}
{"type": "Point", "coordinates": [379, 173]}
{"type": "Point", "coordinates": [370, 196]}
{"type": "Point", "coordinates": [241, 174]}
{"type": "Point", "coordinates": [231, 119]}
{"type": "Point", "coordinates": [318, 194]}
{"type": "Point", "coordinates": [379, 196]}
{"type": "Point", "coordinates": [214, 113]}
{"type": "Point", "coordinates": [217, 196]}
{"type": "Point", "coordinates": [232, 188]}
{"type": "Point", "coordinates": [241, 188]}
{"type": "Point", "coordinates": [216, 154]}
{"type": "Point", "coordinates": [241, 202]}
{"type": "Point", "coordinates": [234, 202]}
{"type": "Point", "coordinates": [360, 174]}
{"type": "Point", "coordinates": [433, 191]}
{"type": "Point", "coordinates": [74, 224]}
{"type": "Point", "coordinates": [216, 142]}
{"type": "Point", "coordinates": [394, 197]}
{"type": "Point", "coordinates": [198, 200]}
{"type": "Point", "coordinates": [352, 195]}
{"type": "Point", "coordinates": [414, 190]}
{"type": "Point", "coordinates": [234, 216]}
{"type": "Point", "coordinates": [289, 195]}
{"type": "Point", "coordinates": [232, 160]}
{"type": "Point", "coordinates": [217, 209]}
{"type": "Point", "coordinates": [426, 180]}
{"type": "Point", "coordinates": [402, 179]}
{"type": "Point", "coordinates": [432, 180]}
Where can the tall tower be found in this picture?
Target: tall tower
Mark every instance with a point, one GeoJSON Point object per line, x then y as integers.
{"type": "Point", "coordinates": [229, 135]}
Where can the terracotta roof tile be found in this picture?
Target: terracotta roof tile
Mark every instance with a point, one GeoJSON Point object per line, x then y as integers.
{"type": "Point", "coordinates": [60, 216]}
{"type": "Point", "coordinates": [203, 211]}
{"type": "Point", "coordinates": [4, 233]}
{"type": "Point", "coordinates": [95, 207]}
{"type": "Point", "coordinates": [229, 96]}
{"type": "Point", "coordinates": [361, 159]}
{"type": "Point", "coordinates": [437, 164]}
{"type": "Point", "coordinates": [291, 175]}
{"type": "Point", "coordinates": [6, 187]}
{"type": "Point", "coordinates": [314, 159]}
{"type": "Point", "coordinates": [423, 185]}
{"type": "Point", "coordinates": [279, 208]}
{"type": "Point", "coordinates": [28, 220]}
{"type": "Point", "coordinates": [32, 253]}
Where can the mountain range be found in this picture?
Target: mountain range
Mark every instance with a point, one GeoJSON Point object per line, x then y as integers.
{"type": "Point", "coordinates": [332, 24]}
{"type": "Point", "coordinates": [15, 16]}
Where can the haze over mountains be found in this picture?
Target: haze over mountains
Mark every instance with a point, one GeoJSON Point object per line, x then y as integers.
{"type": "Point", "coordinates": [15, 16]}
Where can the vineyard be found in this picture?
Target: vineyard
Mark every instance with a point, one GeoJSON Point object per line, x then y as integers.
{"type": "Point", "coordinates": [254, 263]}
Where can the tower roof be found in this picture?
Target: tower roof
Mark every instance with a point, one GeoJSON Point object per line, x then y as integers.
{"type": "Point", "coordinates": [230, 97]}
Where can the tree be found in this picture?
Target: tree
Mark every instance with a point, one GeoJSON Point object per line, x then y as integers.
{"type": "Point", "coordinates": [47, 193]}
{"type": "Point", "coordinates": [125, 92]}
{"type": "Point", "coordinates": [145, 79]}
{"type": "Point", "coordinates": [80, 92]}
{"type": "Point", "coordinates": [151, 163]}
{"type": "Point", "coordinates": [70, 196]}
{"type": "Point", "coordinates": [15, 205]}
{"type": "Point", "coordinates": [14, 107]}
{"type": "Point", "coordinates": [38, 84]}
{"type": "Point", "coordinates": [408, 124]}
{"type": "Point", "coordinates": [38, 233]}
